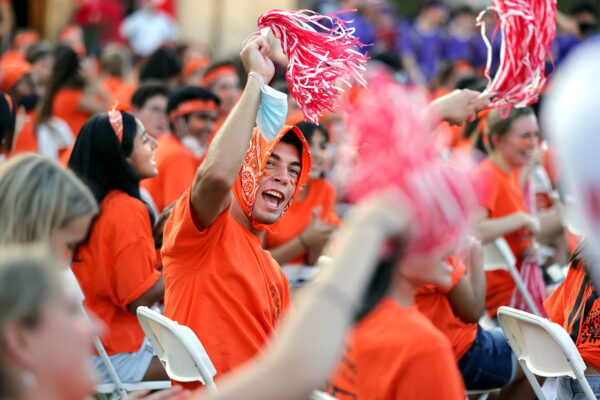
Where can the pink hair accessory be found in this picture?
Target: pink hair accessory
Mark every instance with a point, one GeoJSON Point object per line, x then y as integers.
{"type": "Point", "coordinates": [116, 121]}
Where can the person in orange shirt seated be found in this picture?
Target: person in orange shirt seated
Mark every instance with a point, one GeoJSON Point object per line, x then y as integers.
{"type": "Point", "coordinates": [218, 279]}
{"type": "Point", "coordinates": [19, 81]}
{"type": "Point", "coordinates": [394, 351]}
{"type": "Point", "coordinates": [575, 306]}
{"type": "Point", "coordinates": [513, 141]}
{"type": "Point", "coordinates": [484, 357]}
{"type": "Point", "coordinates": [115, 266]}
{"type": "Point", "coordinates": [301, 234]}
{"type": "Point", "coordinates": [74, 93]}
{"type": "Point", "coordinates": [192, 113]}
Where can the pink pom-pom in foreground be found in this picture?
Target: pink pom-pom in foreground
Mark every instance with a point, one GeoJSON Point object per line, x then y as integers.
{"type": "Point", "coordinates": [528, 28]}
{"type": "Point", "coordinates": [316, 58]}
{"type": "Point", "coordinates": [389, 146]}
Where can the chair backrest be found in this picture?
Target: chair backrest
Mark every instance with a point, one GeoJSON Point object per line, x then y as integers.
{"type": "Point", "coordinates": [178, 348]}
{"type": "Point", "coordinates": [542, 347]}
{"type": "Point", "coordinates": [545, 346]}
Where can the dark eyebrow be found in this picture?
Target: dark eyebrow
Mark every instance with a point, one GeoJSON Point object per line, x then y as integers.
{"type": "Point", "coordinates": [275, 156]}
{"type": "Point", "coordinates": [296, 164]}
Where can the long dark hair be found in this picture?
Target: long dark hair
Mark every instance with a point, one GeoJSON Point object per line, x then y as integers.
{"type": "Point", "coordinates": [99, 159]}
{"type": "Point", "coordinates": [65, 73]}
{"type": "Point", "coordinates": [8, 118]}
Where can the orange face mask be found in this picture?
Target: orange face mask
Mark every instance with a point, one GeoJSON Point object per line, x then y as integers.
{"type": "Point", "coordinates": [253, 169]}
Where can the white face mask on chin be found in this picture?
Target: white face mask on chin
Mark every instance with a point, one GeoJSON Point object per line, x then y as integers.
{"type": "Point", "coordinates": [272, 112]}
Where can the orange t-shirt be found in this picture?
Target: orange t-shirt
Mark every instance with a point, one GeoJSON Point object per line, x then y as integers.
{"type": "Point", "coordinates": [433, 301]}
{"type": "Point", "coordinates": [116, 266]}
{"type": "Point", "coordinates": [396, 353]}
{"type": "Point", "coordinates": [66, 106]}
{"type": "Point", "coordinates": [566, 307]}
{"type": "Point", "coordinates": [503, 196]}
{"type": "Point", "coordinates": [176, 167]}
{"type": "Point", "coordinates": [299, 216]}
{"type": "Point", "coordinates": [223, 285]}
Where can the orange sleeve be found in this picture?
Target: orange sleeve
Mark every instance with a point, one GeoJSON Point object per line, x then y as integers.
{"type": "Point", "coordinates": [134, 273]}
{"type": "Point", "coordinates": [458, 272]}
{"type": "Point", "coordinates": [181, 235]}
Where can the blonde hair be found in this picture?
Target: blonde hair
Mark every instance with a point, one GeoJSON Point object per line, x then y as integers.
{"type": "Point", "coordinates": [37, 196]}
{"type": "Point", "coordinates": [29, 276]}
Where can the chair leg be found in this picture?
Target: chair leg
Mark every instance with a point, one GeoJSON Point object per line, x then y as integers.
{"type": "Point", "coordinates": [585, 386]}
{"type": "Point", "coordinates": [532, 381]}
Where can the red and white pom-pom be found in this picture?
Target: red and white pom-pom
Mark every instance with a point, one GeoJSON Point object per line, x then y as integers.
{"type": "Point", "coordinates": [389, 145]}
{"type": "Point", "coordinates": [528, 28]}
{"type": "Point", "coordinates": [317, 58]}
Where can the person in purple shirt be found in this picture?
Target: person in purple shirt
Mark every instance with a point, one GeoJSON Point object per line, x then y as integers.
{"type": "Point", "coordinates": [363, 28]}
{"type": "Point", "coordinates": [421, 45]}
{"type": "Point", "coordinates": [463, 40]}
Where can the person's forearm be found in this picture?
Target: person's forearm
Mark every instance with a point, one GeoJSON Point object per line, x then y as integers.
{"type": "Point", "coordinates": [550, 226]}
{"type": "Point", "coordinates": [492, 228]}
{"type": "Point", "coordinates": [226, 153]}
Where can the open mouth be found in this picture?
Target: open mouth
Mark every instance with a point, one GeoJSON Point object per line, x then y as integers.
{"type": "Point", "coordinates": [273, 199]}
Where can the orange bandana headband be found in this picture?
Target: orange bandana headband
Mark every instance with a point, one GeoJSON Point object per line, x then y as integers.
{"type": "Point", "coordinates": [246, 186]}
{"type": "Point", "coordinates": [191, 106]}
{"type": "Point", "coordinates": [218, 72]}
{"type": "Point", "coordinates": [116, 121]}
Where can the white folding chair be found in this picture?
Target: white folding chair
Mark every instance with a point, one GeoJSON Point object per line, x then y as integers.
{"type": "Point", "coordinates": [178, 348]}
{"type": "Point", "coordinates": [117, 387]}
{"type": "Point", "coordinates": [498, 255]}
{"type": "Point", "coordinates": [542, 348]}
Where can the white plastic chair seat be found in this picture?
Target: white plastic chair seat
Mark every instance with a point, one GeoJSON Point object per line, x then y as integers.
{"type": "Point", "coordinates": [177, 347]}
{"type": "Point", "coordinates": [542, 348]}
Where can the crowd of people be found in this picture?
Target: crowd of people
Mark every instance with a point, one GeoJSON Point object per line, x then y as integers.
{"type": "Point", "coordinates": [137, 167]}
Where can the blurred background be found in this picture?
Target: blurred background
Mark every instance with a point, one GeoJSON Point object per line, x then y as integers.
{"type": "Point", "coordinates": [222, 23]}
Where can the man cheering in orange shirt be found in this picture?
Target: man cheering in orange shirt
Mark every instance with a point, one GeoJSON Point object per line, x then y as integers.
{"type": "Point", "coordinates": [218, 279]}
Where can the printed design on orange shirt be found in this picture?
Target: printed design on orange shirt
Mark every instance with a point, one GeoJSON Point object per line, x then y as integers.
{"type": "Point", "coordinates": [584, 326]}
{"type": "Point", "coordinates": [276, 302]}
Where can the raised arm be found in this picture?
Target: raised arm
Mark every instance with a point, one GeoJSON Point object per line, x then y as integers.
{"type": "Point", "coordinates": [490, 228]}
{"type": "Point", "coordinates": [211, 190]}
{"type": "Point", "coordinates": [467, 297]}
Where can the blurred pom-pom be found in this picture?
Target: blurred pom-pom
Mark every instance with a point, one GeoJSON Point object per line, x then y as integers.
{"type": "Point", "coordinates": [389, 146]}
{"type": "Point", "coordinates": [528, 28]}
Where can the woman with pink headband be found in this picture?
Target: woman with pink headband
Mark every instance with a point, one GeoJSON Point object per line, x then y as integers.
{"type": "Point", "coordinates": [116, 266]}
